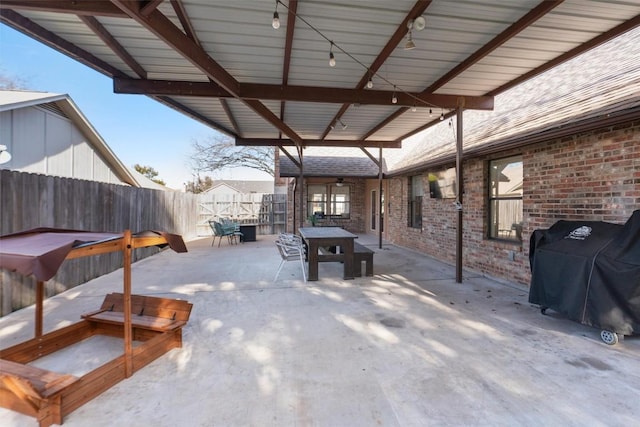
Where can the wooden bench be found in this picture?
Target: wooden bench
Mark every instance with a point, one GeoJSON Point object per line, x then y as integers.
{"type": "Point", "coordinates": [33, 391]}
{"type": "Point", "coordinates": [362, 253]}
{"type": "Point", "coordinates": [151, 313]}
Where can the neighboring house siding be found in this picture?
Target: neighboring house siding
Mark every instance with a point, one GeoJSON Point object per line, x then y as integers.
{"type": "Point", "coordinates": [58, 145]}
{"type": "Point", "coordinates": [83, 168]}
{"type": "Point", "coordinates": [101, 171]}
{"type": "Point", "coordinates": [222, 189]}
{"type": "Point", "coordinates": [44, 142]}
{"type": "Point", "coordinates": [28, 140]}
{"type": "Point", "coordinates": [593, 176]}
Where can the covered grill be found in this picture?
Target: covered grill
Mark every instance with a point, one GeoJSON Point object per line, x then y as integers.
{"type": "Point", "coordinates": [590, 272]}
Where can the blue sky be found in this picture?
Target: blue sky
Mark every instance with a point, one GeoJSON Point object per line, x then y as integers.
{"type": "Point", "coordinates": [136, 128]}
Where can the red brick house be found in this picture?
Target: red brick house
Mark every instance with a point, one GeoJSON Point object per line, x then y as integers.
{"type": "Point", "coordinates": [564, 145]}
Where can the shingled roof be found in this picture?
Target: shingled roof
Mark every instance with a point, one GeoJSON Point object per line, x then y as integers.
{"type": "Point", "coordinates": [331, 162]}
{"type": "Point", "coordinates": [597, 86]}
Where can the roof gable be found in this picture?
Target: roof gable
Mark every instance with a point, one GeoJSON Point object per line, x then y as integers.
{"type": "Point", "coordinates": [242, 186]}
{"type": "Point", "coordinates": [64, 106]}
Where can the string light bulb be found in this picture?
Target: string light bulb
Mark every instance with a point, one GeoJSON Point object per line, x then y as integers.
{"type": "Point", "coordinates": [418, 24]}
{"type": "Point", "coordinates": [276, 18]}
{"type": "Point", "coordinates": [410, 44]}
{"type": "Point", "coordinates": [332, 58]}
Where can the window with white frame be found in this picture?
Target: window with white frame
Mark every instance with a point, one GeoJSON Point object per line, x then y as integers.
{"type": "Point", "coordinates": [329, 200]}
{"type": "Point", "coordinates": [505, 198]}
{"type": "Point", "coordinates": [414, 209]}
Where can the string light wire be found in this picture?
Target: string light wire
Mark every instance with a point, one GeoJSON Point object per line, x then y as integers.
{"type": "Point", "coordinates": [356, 60]}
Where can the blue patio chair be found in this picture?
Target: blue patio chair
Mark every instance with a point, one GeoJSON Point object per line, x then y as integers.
{"type": "Point", "coordinates": [220, 232]}
{"type": "Point", "coordinates": [232, 228]}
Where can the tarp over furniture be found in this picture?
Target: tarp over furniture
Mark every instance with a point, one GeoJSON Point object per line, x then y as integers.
{"type": "Point", "coordinates": [590, 272]}
{"type": "Point", "coordinates": [41, 251]}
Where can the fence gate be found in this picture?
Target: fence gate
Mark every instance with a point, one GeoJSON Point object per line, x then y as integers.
{"type": "Point", "coordinates": [267, 211]}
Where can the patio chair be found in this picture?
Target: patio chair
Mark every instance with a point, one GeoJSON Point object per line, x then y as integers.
{"type": "Point", "coordinates": [292, 238]}
{"type": "Point", "coordinates": [220, 231]}
{"type": "Point", "coordinates": [290, 251]}
{"type": "Point", "coordinates": [231, 227]}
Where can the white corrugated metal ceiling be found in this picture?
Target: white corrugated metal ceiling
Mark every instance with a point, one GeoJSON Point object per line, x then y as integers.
{"type": "Point", "coordinates": [221, 62]}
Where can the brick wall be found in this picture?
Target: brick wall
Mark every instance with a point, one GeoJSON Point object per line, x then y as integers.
{"type": "Point", "coordinates": [593, 176]}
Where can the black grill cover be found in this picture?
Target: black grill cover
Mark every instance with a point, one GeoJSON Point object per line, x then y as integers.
{"type": "Point", "coordinates": [590, 272]}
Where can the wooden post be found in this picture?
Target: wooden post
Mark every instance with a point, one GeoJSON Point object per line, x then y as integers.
{"type": "Point", "coordinates": [39, 307]}
{"type": "Point", "coordinates": [128, 351]}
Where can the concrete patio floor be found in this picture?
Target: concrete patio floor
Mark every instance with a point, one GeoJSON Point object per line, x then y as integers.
{"type": "Point", "coordinates": [407, 347]}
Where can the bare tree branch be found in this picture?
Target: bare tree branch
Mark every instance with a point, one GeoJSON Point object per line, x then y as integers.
{"type": "Point", "coordinates": [219, 152]}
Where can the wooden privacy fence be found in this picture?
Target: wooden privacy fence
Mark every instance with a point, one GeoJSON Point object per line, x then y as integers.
{"type": "Point", "coordinates": [267, 211]}
{"type": "Point", "coordinates": [30, 200]}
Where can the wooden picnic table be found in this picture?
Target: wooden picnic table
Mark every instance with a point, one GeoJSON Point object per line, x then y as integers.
{"type": "Point", "coordinates": [320, 237]}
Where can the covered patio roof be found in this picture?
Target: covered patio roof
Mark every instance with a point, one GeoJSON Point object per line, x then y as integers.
{"type": "Point", "coordinates": [222, 62]}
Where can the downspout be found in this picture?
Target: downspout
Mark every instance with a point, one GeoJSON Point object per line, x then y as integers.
{"type": "Point", "coordinates": [293, 221]}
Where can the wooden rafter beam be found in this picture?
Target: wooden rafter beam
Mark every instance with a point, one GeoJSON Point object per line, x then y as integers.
{"type": "Point", "coordinates": [369, 155]}
{"type": "Point", "coordinates": [433, 122]}
{"type": "Point", "coordinates": [150, 6]}
{"type": "Point", "coordinates": [165, 30]}
{"type": "Point", "coordinates": [170, 102]}
{"type": "Point", "coordinates": [596, 41]}
{"type": "Point", "coordinates": [113, 44]}
{"type": "Point", "coordinates": [288, 44]}
{"type": "Point", "coordinates": [290, 156]}
{"type": "Point", "coordinates": [529, 18]}
{"type": "Point", "coordinates": [227, 110]}
{"type": "Point", "coordinates": [266, 142]}
{"type": "Point", "coordinates": [181, 13]}
{"type": "Point", "coordinates": [25, 25]}
{"type": "Point", "coordinates": [418, 9]}
{"type": "Point", "coordinates": [187, 26]}
{"type": "Point", "coordinates": [258, 91]}
{"type": "Point", "coordinates": [516, 28]}
{"type": "Point", "coordinates": [75, 7]}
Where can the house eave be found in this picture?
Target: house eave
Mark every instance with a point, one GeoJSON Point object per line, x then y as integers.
{"type": "Point", "coordinates": [583, 125]}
